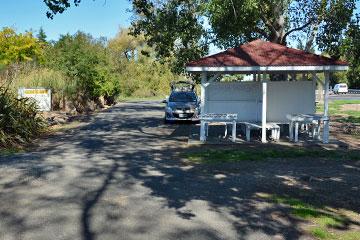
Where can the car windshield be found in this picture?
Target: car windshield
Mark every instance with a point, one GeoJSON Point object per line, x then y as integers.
{"type": "Point", "coordinates": [182, 97]}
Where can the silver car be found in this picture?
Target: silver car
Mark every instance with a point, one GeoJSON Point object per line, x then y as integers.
{"type": "Point", "coordinates": [182, 106]}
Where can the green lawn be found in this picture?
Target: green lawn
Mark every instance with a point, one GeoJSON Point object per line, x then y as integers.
{"type": "Point", "coordinates": [237, 155]}
{"type": "Point", "coordinates": [325, 222]}
{"type": "Point", "coordinates": [335, 108]}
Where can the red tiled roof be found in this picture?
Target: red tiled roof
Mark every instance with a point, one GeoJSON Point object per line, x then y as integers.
{"type": "Point", "coordinates": [261, 53]}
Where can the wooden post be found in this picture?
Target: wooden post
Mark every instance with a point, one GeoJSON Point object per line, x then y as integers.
{"type": "Point", "coordinates": [203, 105]}
{"type": "Point", "coordinates": [326, 109]}
{"type": "Point", "coordinates": [264, 109]}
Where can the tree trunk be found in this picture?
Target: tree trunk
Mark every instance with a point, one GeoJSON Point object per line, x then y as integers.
{"type": "Point", "coordinates": [311, 39]}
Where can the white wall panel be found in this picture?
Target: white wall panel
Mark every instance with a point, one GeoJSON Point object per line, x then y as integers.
{"type": "Point", "coordinates": [244, 98]}
{"type": "Point", "coordinates": [289, 97]}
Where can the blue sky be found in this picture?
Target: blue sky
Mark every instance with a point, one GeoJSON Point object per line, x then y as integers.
{"type": "Point", "coordinates": [100, 17]}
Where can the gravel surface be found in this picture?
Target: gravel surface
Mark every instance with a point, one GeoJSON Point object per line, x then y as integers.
{"type": "Point", "coordinates": [121, 177]}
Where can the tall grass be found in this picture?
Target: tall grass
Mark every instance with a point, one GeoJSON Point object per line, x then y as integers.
{"type": "Point", "coordinates": [60, 85]}
{"type": "Point", "coordinates": [44, 77]}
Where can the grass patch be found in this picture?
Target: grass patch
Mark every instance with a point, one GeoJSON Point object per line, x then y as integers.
{"type": "Point", "coordinates": [335, 108]}
{"type": "Point", "coordinates": [320, 233]}
{"type": "Point", "coordinates": [327, 223]}
{"type": "Point", "coordinates": [10, 151]}
{"type": "Point", "coordinates": [236, 155]}
{"type": "Point", "coordinates": [307, 211]}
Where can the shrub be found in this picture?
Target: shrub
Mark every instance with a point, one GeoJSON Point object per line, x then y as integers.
{"type": "Point", "coordinates": [19, 120]}
{"type": "Point", "coordinates": [84, 60]}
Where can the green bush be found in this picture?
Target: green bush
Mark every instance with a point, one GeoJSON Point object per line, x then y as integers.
{"type": "Point", "coordinates": [19, 120]}
{"type": "Point", "coordinates": [85, 60]}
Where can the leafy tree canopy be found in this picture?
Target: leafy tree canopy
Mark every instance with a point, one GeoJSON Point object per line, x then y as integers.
{"type": "Point", "coordinates": [59, 6]}
{"type": "Point", "coordinates": [186, 27]}
{"type": "Point", "coordinates": [182, 30]}
{"type": "Point", "coordinates": [128, 45]}
{"type": "Point", "coordinates": [16, 48]}
{"type": "Point", "coordinates": [351, 51]}
{"type": "Point", "coordinates": [41, 35]}
{"type": "Point", "coordinates": [84, 59]}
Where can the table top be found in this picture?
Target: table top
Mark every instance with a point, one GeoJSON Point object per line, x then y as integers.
{"type": "Point", "coordinates": [219, 117]}
{"type": "Point", "coordinates": [306, 117]}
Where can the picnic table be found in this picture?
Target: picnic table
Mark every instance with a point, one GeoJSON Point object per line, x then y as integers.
{"type": "Point", "coordinates": [314, 120]}
{"type": "Point", "coordinates": [223, 118]}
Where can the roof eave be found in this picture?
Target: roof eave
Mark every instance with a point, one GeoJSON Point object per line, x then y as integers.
{"type": "Point", "coordinates": [242, 69]}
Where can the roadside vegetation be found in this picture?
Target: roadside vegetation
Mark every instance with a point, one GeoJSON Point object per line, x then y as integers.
{"type": "Point", "coordinates": [84, 74]}
{"type": "Point", "coordinates": [19, 120]}
{"type": "Point", "coordinates": [323, 223]}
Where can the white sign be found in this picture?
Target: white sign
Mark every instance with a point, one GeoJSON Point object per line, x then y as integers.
{"type": "Point", "coordinates": [42, 97]}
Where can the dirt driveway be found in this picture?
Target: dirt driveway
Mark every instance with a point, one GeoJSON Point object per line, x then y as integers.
{"type": "Point", "coordinates": [120, 177]}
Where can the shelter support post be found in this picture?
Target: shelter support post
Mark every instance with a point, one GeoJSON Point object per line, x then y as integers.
{"type": "Point", "coordinates": [264, 109]}
{"type": "Point", "coordinates": [202, 106]}
{"type": "Point", "coordinates": [326, 108]}
{"type": "Point", "coordinates": [314, 79]}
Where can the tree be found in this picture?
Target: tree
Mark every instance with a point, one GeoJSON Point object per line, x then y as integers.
{"type": "Point", "coordinates": [17, 48]}
{"type": "Point", "coordinates": [128, 45]}
{"type": "Point", "coordinates": [139, 73]}
{"type": "Point", "coordinates": [181, 30]}
{"type": "Point", "coordinates": [84, 60]}
{"type": "Point", "coordinates": [41, 35]}
{"type": "Point", "coordinates": [185, 28]}
{"type": "Point", "coordinates": [59, 6]}
{"type": "Point", "coordinates": [351, 51]}
{"type": "Point", "coordinates": [306, 47]}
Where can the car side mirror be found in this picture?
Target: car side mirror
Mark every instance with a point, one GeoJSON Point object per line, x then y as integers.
{"type": "Point", "coordinates": [164, 101]}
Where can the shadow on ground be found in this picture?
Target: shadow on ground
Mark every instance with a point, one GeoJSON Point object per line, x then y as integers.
{"type": "Point", "coordinates": [122, 177]}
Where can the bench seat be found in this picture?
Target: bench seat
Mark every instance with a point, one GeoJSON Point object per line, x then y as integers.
{"type": "Point", "coordinates": [275, 129]}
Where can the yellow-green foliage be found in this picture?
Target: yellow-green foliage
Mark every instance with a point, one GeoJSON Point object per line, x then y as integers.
{"type": "Point", "coordinates": [15, 48]}
{"type": "Point", "coordinates": [139, 74]}
{"type": "Point", "coordinates": [145, 80]}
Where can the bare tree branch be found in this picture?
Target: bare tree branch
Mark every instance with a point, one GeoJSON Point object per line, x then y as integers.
{"type": "Point", "coordinates": [298, 29]}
